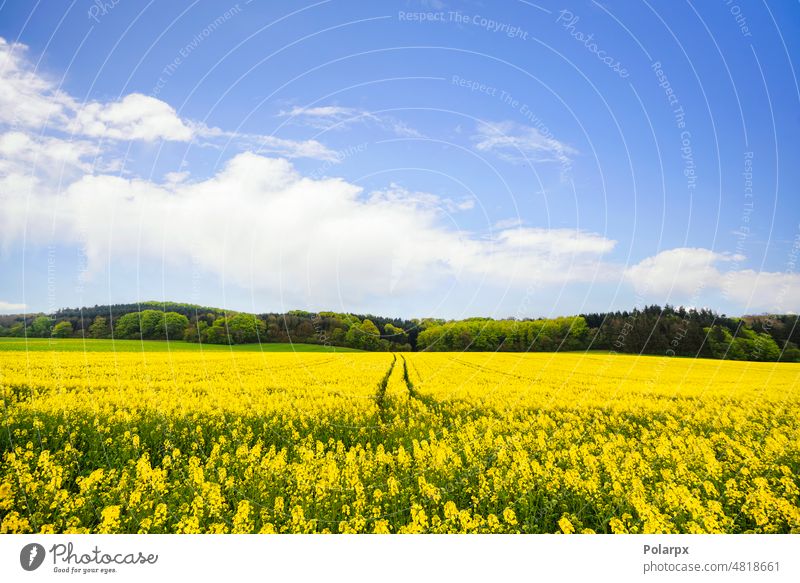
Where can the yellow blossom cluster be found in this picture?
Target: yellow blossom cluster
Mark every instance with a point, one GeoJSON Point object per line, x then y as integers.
{"type": "Point", "coordinates": [215, 442]}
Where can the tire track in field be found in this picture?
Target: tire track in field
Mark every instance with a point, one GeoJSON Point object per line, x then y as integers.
{"type": "Point", "coordinates": [428, 402]}
{"type": "Point", "coordinates": [380, 395]}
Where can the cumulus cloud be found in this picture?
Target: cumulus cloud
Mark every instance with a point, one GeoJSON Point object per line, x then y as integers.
{"type": "Point", "coordinates": [31, 102]}
{"type": "Point", "coordinates": [262, 225]}
{"type": "Point", "coordinates": [21, 152]}
{"type": "Point", "coordinates": [776, 292]}
{"type": "Point", "coordinates": [556, 241]}
{"type": "Point", "coordinates": [134, 117]}
{"type": "Point", "coordinates": [685, 273]}
{"type": "Point", "coordinates": [545, 257]}
{"type": "Point", "coordinates": [31, 163]}
{"type": "Point", "coordinates": [517, 143]}
{"type": "Point", "coordinates": [27, 99]}
{"type": "Point", "coordinates": [681, 271]}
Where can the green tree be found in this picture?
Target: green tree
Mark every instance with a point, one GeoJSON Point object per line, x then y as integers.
{"type": "Point", "coordinates": [217, 333]}
{"type": "Point", "coordinates": [395, 333]}
{"type": "Point", "coordinates": [338, 336]}
{"type": "Point", "coordinates": [765, 348]}
{"type": "Point", "coordinates": [127, 326]}
{"type": "Point", "coordinates": [41, 327]}
{"type": "Point", "coordinates": [366, 336]}
{"type": "Point", "coordinates": [371, 335]}
{"type": "Point", "coordinates": [723, 345]}
{"type": "Point", "coordinates": [62, 330]}
{"type": "Point", "coordinates": [791, 353]}
{"type": "Point", "coordinates": [175, 325]}
{"type": "Point", "coordinates": [99, 328]}
{"type": "Point", "coordinates": [244, 328]}
{"type": "Point", "coordinates": [152, 324]}
{"type": "Point", "coordinates": [195, 331]}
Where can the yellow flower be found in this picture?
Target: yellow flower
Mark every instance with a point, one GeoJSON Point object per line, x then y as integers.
{"type": "Point", "coordinates": [110, 522]}
{"type": "Point", "coordinates": [509, 516]}
{"type": "Point", "coordinates": [565, 525]}
{"type": "Point", "coordinates": [6, 496]}
{"type": "Point", "coordinates": [408, 443]}
{"type": "Point", "coordinates": [242, 522]}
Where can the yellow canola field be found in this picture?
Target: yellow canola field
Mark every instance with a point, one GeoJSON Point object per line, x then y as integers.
{"type": "Point", "coordinates": [164, 442]}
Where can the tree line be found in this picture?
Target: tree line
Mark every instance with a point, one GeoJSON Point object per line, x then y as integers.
{"type": "Point", "coordinates": [703, 333]}
{"type": "Point", "coordinates": [650, 330]}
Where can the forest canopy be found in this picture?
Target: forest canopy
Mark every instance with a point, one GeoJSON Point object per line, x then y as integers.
{"type": "Point", "coordinates": [651, 330]}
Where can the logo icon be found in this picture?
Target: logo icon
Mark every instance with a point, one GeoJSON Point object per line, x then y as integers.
{"type": "Point", "coordinates": [31, 556]}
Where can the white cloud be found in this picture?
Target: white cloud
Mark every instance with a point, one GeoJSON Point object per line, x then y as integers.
{"type": "Point", "coordinates": [764, 291]}
{"type": "Point", "coordinates": [556, 241]}
{"type": "Point", "coordinates": [508, 223]}
{"type": "Point", "coordinates": [687, 273]}
{"type": "Point", "coordinates": [681, 271]}
{"type": "Point", "coordinates": [296, 149]}
{"type": "Point", "coordinates": [175, 177]}
{"type": "Point", "coordinates": [423, 200]}
{"type": "Point", "coordinates": [333, 112]}
{"type": "Point", "coordinates": [517, 143]}
{"type": "Point", "coordinates": [401, 128]}
{"type": "Point", "coordinates": [28, 101]}
{"type": "Point", "coordinates": [11, 307]}
{"type": "Point", "coordinates": [271, 144]}
{"type": "Point", "coordinates": [329, 117]}
{"type": "Point", "coordinates": [25, 153]}
{"type": "Point", "coordinates": [262, 225]}
{"type": "Point", "coordinates": [536, 256]}
{"type": "Point", "coordinates": [135, 117]}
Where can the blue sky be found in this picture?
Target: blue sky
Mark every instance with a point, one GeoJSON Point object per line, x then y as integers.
{"type": "Point", "coordinates": [405, 158]}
